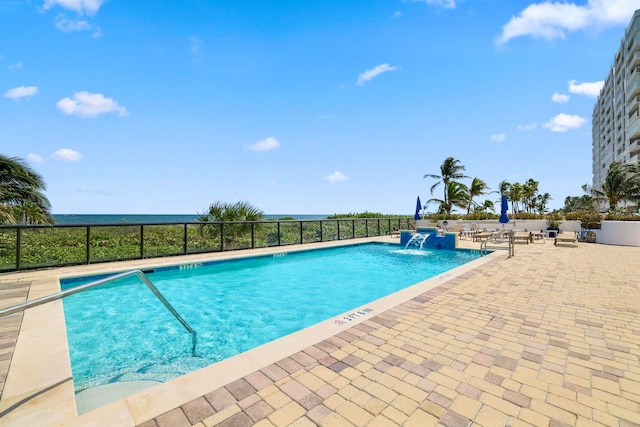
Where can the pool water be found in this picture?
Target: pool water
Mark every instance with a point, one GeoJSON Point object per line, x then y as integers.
{"type": "Point", "coordinates": [121, 331]}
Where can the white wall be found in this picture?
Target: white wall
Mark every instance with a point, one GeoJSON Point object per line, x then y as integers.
{"type": "Point", "coordinates": [623, 233]}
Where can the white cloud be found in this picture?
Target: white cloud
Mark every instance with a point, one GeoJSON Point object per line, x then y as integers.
{"type": "Point", "coordinates": [560, 98]}
{"type": "Point", "coordinates": [85, 104]}
{"type": "Point", "coordinates": [589, 89]}
{"type": "Point", "coordinates": [67, 25]}
{"type": "Point", "coordinates": [93, 190]}
{"type": "Point", "coordinates": [447, 4]}
{"type": "Point", "coordinates": [374, 72]}
{"type": "Point", "coordinates": [551, 20]}
{"type": "Point", "coordinates": [34, 158]}
{"type": "Point", "coordinates": [266, 144]}
{"type": "Point", "coordinates": [67, 155]}
{"type": "Point", "coordinates": [16, 66]}
{"type": "Point", "coordinates": [397, 14]}
{"type": "Point", "coordinates": [336, 176]}
{"type": "Point", "coordinates": [563, 122]}
{"type": "Point", "coordinates": [195, 45]}
{"type": "Point", "coordinates": [498, 137]}
{"type": "Point", "coordinates": [530, 126]}
{"type": "Point", "coordinates": [89, 7]}
{"type": "Point", "coordinates": [21, 92]}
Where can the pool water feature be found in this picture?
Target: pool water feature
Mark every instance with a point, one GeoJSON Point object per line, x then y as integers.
{"type": "Point", "coordinates": [121, 332]}
{"type": "Point", "coordinates": [417, 240]}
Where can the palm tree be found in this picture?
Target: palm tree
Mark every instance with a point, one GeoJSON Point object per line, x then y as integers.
{"type": "Point", "coordinates": [541, 202]}
{"type": "Point", "coordinates": [456, 194]}
{"type": "Point", "coordinates": [240, 213]}
{"type": "Point", "coordinates": [450, 171]}
{"type": "Point", "coordinates": [503, 187]}
{"type": "Point", "coordinates": [515, 196]}
{"type": "Point", "coordinates": [478, 188]}
{"type": "Point", "coordinates": [487, 205]}
{"type": "Point", "coordinates": [586, 202]}
{"type": "Point", "coordinates": [622, 184]}
{"type": "Point", "coordinates": [529, 193]}
{"type": "Point", "coordinates": [21, 194]}
{"type": "Point", "coordinates": [6, 213]}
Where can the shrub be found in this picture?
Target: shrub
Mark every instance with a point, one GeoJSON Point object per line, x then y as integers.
{"type": "Point", "coordinates": [553, 220]}
{"type": "Point", "coordinates": [365, 214]}
{"type": "Point", "coordinates": [588, 218]}
{"type": "Point", "coordinates": [620, 217]}
{"type": "Point", "coordinates": [526, 215]}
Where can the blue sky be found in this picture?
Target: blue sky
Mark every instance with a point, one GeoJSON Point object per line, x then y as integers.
{"type": "Point", "coordinates": [299, 107]}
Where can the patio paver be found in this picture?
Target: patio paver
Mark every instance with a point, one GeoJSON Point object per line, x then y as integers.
{"type": "Point", "coordinates": [550, 337]}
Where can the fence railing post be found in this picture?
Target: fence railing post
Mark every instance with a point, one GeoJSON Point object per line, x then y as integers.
{"type": "Point", "coordinates": [18, 246]}
{"type": "Point", "coordinates": [141, 241]}
{"type": "Point", "coordinates": [301, 241]}
{"type": "Point", "coordinates": [185, 248]}
{"type": "Point", "coordinates": [88, 245]}
{"type": "Point", "coordinates": [221, 236]}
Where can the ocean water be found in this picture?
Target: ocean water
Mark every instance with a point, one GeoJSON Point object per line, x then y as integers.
{"type": "Point", "coordinates": [86, 219]}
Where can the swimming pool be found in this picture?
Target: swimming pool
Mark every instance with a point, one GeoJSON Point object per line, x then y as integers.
{"type": "Point", "coordinates": [121, 332]}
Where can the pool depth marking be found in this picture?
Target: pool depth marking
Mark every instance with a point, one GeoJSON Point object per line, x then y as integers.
{"type": "Point", "coordinates": [353, 316]}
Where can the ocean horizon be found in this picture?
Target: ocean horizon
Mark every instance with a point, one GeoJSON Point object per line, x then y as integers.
{"type": "Point", "coordinates": [86, 219]}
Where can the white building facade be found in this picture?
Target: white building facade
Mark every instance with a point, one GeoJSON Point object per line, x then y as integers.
{"type": "Point", "coordinates": [616, 114]}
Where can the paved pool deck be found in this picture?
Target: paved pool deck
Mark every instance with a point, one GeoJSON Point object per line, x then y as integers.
{"type": "Point", "coordinates": [549, 337]}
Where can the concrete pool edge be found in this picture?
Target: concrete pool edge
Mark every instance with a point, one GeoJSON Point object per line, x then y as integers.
{"type": "Point", "coordinates": [150, 403]}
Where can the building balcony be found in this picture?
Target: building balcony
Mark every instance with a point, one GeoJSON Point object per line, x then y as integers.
{"type": "Point", "coordinates": [633, 86]}
{"type": "Point", "coordinates": [633, 60]}
{"type": "Point", "coordinates": [632, 38]}
{"type": "Point", "coordinates": [633, 102]}
{"type": "Point", "coordinates": [633, 130]}
{"type": "Point", "coordinates": [634, 148]}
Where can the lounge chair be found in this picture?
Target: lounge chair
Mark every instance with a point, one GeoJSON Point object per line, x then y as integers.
{"type": "Point", "coordinates": [537, 235]}
{"type": "Point", "coordinates": [457, 228]}
{"type": "Point", "coordinates": [566, 237]}
{"type": "Point", "coordinates": [522, 235]}
{"type": "Point", "coordinates": [477, 237]}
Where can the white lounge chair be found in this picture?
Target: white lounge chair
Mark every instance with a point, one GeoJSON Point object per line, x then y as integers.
{"type": "Point", "coordinates": [566, 237]}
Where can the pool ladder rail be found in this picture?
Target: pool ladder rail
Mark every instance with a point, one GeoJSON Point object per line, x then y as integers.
{"type": "Point", "coordinates": [59, 295]}
{"type": "Point", "coordinates": [502, 236]}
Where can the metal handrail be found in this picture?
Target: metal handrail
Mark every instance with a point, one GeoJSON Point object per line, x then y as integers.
{"type": "Point", "coordinates": [494, 237]}
{"type": "Point", "coordinates": [59, 295]}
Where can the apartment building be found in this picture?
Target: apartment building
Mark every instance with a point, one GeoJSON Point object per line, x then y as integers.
{"type": "Point", "coordinates": [616, 114]}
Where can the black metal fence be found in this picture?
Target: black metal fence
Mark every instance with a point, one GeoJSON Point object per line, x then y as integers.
{"type": "Point", "coordinates": [24, 247]}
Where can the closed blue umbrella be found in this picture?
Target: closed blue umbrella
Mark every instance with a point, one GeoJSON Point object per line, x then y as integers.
{"type": "Point", "coordinates": [418, 209]}
{"type": "Point", "coordinates": [504, 207]}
